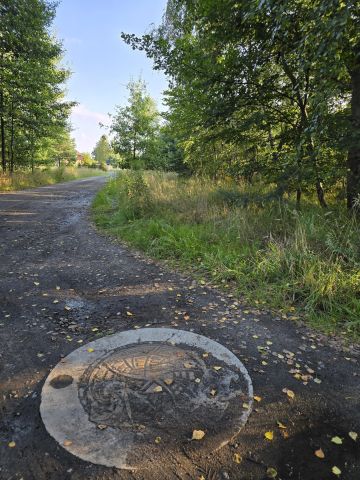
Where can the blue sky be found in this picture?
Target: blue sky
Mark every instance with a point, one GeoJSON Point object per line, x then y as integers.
{"type": "Point", "coordinates": [102, 64]}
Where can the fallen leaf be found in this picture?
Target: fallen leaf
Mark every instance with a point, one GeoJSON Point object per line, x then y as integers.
{"type": "Point", "coordinates": [129, 314]}
{"type": "Point", "coordinates": [157, 439]}
{"type": "Point", "coordinates": [213, 392]}
{"type": "Point", "coordinates": [11, 444]}
{"type": "Point", "coordinates": [205, 355]}
{"type": "Point", "coordinates": [101, 426]}
{"type": "Point", "coordinates": [67, 443]}
{"type": "Point", "coordinates": [289, 393]}
{"type": "Point", "coordinates": [168, 381]}
{"type": "Point", "coordinates": [36, 283]}
{"type": "Point", "coordinates": [188, 365]}
{"type": "Point", "coordinates": [269, 435]}
{"type": "Point", "coordinates": [257, 398]}
{"type": "Point", "coordinates": [57, 287]}
{"type": "Point", "coordinates": [337, 440]}
{"type": "Point", "coordinates": [95, 329]}
{"type": "Point", "coordinates": [217, 368]}
{"type": "Point", "coordinates": [198, 435]}
{"type": "Point", "coordinates": [158, 389]}
{"type": "Point", "coordinates": [353, 436]}
{"type": "Point", "coordinates": [90, 349]}
{"type": "Point", "coordinates": [237, 458]}
{"type": "Point", "coordinates": [281, 425]}
{"type": "Point", "coordinates": [67, 308]}
{"type": "Point", "coordinates": [197, 380]}
{"type": "Point", "coordinates": [319, 453]}
{"type": "Point", "coordinates": [336, 470]}
{"type": "Point", "coordinates": [246, 406]}
{"type": "Point", "coordinates": [271, 472]}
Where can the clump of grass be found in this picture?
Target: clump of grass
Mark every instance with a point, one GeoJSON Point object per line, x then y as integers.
{"type": "Point", "coordinates": [307, 261]}
{"type": "Point", "coordinates": [26, 179]}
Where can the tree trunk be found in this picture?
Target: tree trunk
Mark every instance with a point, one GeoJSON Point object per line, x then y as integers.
{"type": "Point", "coordinates": [298, 198]}
{"type": "Point", "coordinates": [320, 193]}
{"type": "Point", "coordinates": [12, 139]}
{"type": "Point", "coordinates": [2, 128]}
{"type": "Point", "coordinates": [353, 162]}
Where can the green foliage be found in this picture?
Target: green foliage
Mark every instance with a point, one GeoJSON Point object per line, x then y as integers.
{"type": "Point", "coordinates": [269, 252]}
{"type": "Point", "coordinates": [264, 87]}
{"type": "Point", "coordinates": [33, 113]}
{"type": "Point", "coordinates": [102, 151]}
{"type": "Point", "coordinates": [134, 126]}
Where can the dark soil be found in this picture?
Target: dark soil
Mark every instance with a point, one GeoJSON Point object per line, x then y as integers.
{"type": "Point", "coordinates": [62, 283]}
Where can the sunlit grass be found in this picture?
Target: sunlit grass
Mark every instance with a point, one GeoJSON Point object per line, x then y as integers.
{"type": "Point", "coordinates": [21, 180]}
{"type": "Point", "coordinates": [306, 263]}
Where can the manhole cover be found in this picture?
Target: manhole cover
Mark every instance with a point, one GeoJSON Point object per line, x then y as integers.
{"type": "Point", "coordinates": [128, 399]}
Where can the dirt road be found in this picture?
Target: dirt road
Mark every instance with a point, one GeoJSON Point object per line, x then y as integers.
{"type": "Point", "coordinates": [64, 284]}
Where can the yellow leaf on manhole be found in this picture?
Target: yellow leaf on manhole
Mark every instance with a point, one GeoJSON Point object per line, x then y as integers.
{"type": "Point", "coordinates": [198, 435]}
{"type": "Point", "coordinates": [188, 365]}
{"type": "Point", "coordinates": [336, 470]}
{"type": "Point", "coordinates": [337, 440]}
{"type": "Point", "coordinates": [67, 443]}
{"type": "Point", "coordinates": [271, 472]}
{"type": "Point", "coordinates": [11, 444]}
{"type": "Point", "coordinates": [237, 458]}
{"type": "Point", "coordinates": [353, 436]}
{"type": "Point", "coordinates": [158, 389]}
{"type": "Point", "coordinates": [319, 453]}
{"type": "Point", "coordinates": [269, 435]}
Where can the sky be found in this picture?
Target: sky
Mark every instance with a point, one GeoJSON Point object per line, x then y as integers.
{"type": "Point", "coordinates": [100, 62]}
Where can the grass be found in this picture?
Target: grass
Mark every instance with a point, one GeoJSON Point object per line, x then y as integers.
{"type": "Point", "coordinates": [25, 179]}
{"type": "Point", "coordinates": [304, 263]}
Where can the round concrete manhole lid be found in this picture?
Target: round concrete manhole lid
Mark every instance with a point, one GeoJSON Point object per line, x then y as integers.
{"type": "Point", "coordinates": [128, 399]}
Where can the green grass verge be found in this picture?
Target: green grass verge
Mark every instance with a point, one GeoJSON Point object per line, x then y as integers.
{"type": "Point", "coordinates": [26, 179]}
{"type": "Point", "coordinates": [304, 263]}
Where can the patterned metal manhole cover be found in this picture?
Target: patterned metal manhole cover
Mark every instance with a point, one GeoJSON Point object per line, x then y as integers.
{"type": "Point", "coordinates": [127, 399]}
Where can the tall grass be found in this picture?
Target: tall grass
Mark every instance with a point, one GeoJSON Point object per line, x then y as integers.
{"type": "Point", "coordinates": [26, 179]}
{"type": "Point", "coordinates": [306, 263]}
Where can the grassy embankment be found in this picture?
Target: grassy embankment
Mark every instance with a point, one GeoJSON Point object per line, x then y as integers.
{"type": "Point", "coordinates": [302, 263]}
{"type": "Point", "coordinates": [25, 179]}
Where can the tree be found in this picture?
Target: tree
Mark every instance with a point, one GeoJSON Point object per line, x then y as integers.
{"type": "Point", "coordinates": [102, 151]}
{"type": "Point", "coordinates": [135, 126]}
{"type": "Point", "coordinates": [31, 95]}
{"type": "Point", "coordinates": [246, 81]}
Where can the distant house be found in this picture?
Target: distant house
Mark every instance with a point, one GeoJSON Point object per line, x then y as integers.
{"type": "Point", "coordinates": [79, 159]}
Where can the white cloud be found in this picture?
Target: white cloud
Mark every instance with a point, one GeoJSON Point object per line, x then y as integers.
{"type": "Point", "coordinates": [82, 111]}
